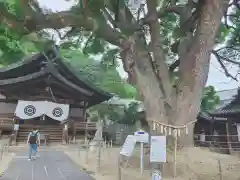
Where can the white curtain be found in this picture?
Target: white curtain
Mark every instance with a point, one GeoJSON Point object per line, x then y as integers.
{"type": "Point", "coordinates": [57, 111]}
{"type": "Point", "coordinates": [29, 109]}
{"type": "Point", "coordinates": [33, 109]}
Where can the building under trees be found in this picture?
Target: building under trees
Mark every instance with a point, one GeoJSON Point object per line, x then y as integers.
{"type": "Point", "coordinates": [221, 128]}
{"type": "Point", "coordinates": [43, 91]}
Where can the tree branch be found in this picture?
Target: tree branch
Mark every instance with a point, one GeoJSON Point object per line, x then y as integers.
{"type": "Point", "coordinates": [126, 21]}
{"type": "Point", "coordinates": [174, 65]}
{"type": "Point", "coordinates": [109, 17]}
{"type": "Point", "coordinates": [218, 57]}
{"type": "Point", "coordinates": [162, 13]}
{"type": "Point", "coordinates": [224, 58]}
{"type": "Point", "coordinates": [196, 60]}
{"type": "Point", "coordinates": [64, 19]}
{"type": "Point", "coordinates": [237, 4]}
{"type": "Point", "coordinates": [158, 53]}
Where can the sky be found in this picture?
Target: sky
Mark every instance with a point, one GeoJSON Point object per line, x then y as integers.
{"type": "Point", "coordinates": [216, 76]}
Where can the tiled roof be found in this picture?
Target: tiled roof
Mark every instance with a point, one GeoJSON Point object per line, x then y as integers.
{"type": "Point", "coordinates": [209, 117]}
{"type": "Point", "coordinates": [231, 107]}
{"type": "Point", "coordinates": [204, 115]}
{"type": "Point", "coordinates": [225, 111]}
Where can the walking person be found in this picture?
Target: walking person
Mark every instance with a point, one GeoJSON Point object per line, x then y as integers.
{"type": "Point", "coordinates": [33, 142]}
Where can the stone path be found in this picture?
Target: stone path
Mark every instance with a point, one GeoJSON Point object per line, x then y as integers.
{"type": "Point", "coordinates": [52, 165]}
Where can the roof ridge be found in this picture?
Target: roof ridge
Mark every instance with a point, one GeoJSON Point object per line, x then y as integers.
{"type": "Point", "coordinates": [227, 89]}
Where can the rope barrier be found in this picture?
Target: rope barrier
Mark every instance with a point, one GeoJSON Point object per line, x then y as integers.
{"type": "Point", "coordinates": [175, 127]}
{"type": "Point", "coordinates": [168, 129]}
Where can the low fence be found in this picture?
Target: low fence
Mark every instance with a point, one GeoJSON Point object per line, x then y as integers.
{"type": "Point", "coordinates": [85, 126]}
{"type": "Point", "coordinates": [4, 146]}
{"type": "Point", "coordinates": [227, 144]}
{"type": "Point", "coordinates": [190, 163]}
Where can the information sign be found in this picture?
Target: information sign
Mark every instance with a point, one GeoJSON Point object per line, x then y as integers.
{"type": "Point", "coordinates": [141, 136]}
{"type": "Point", "coordinates": [158, 149]}
{"type": "Point", "coordinates": [128, 146]}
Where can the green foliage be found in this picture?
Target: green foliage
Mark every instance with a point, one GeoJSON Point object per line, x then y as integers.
{"type": "Point", "coordinates": [10, 46]}
{"type": "Point", "coordinates": [109, 57]}
{"type": "Point", "coordinates": [118, 114]}
{"type": "Point", "coordinates": [131, 114]}
{"type": "Point", "coordinates": [106, 78]}
{"type": "Point", "coordinates": [170, 29]}
{"type": "Point", "coordinates": [209, 99]}
{"type": "Point", "coordinates": [94, 46]}
{"type": "Point", "coordinates": [223, 33]}
{"type": "Point", "coordinates": [15, 41]}
{"type": "Point", "coordinates": [105, 111]}
{"type": "Point", "coordinates": [234, 39]}
{"type": "Point", "coordinates": [14, 7]}
{"type": "Point", "coordinates": [14, 47]}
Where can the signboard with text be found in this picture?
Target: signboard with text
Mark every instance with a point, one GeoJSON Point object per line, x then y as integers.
{"type": "Point", "coordinates": [128, 146]}
{"type": "Point", "coordinates": [158, 149]}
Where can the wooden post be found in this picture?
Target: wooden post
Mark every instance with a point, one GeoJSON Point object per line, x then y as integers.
{"type": "Point", "coordinates": [121, 136]}
{"type": "Point", "coordinates": [175, 157]}
{"type": "Point", "coordinates": [78, 150]}
{"type": "Point", "coordinates": [1, 149]}
{"type": "Point", "coordinates": [228, 131]}
{"type": "Point", "coordinates": [86, 122]}
{"type": "Point", "coordinates": [74, 131]}
{"type": "Point", "coordinates": [65, 133]}
{"type": "Point", "coordinates": [119, 168]}
{"type": "Point", "coordinates": [211, 135]}
{"type": "Point", "coordinates": [87, 149]}
{"type": "Point", "coordinates": [86, 132]}
{"type": "Point", "coordinates": [15, 138]}
{"type": "Point", "coordinates": [220, 169]}
{"type": "Point", "coordinates": [99, 154]}
{"type": "Point", "coordinates": [15, 131]}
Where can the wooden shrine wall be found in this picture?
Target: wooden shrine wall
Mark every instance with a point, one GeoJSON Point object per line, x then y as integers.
{"type": "Point", "coordinates": [76, 112]}
{"type": "Point", "coordinates": [7, 108]}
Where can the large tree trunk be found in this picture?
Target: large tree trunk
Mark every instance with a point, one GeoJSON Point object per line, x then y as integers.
{"type": "Point", "coordinates": [175, 106]}
{"type": "Point", "coordinates": [157, 107]}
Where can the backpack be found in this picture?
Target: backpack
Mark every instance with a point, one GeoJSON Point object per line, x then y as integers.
{"type": "Point", "coordinates": [33, 138]}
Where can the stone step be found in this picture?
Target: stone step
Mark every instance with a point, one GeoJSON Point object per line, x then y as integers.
{"type": "Point", "coordinates": [55, 133]}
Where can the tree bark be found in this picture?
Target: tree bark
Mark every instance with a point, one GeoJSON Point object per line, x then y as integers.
{"type": "Point", "coordinates": [148, 84]}
{"type": "Point", "coordinates": [184, 106]}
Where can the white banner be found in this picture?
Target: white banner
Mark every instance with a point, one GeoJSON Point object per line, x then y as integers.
{"type": "Point", "coordinates": [57, 111]}
{"type": "Point", "coordinates": [29, 109]}
{"type": "Point", "coordinates": [33, 109]}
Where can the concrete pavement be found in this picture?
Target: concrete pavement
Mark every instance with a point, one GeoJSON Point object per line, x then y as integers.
{"type": "Point", "coordinates": [52, 165]}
